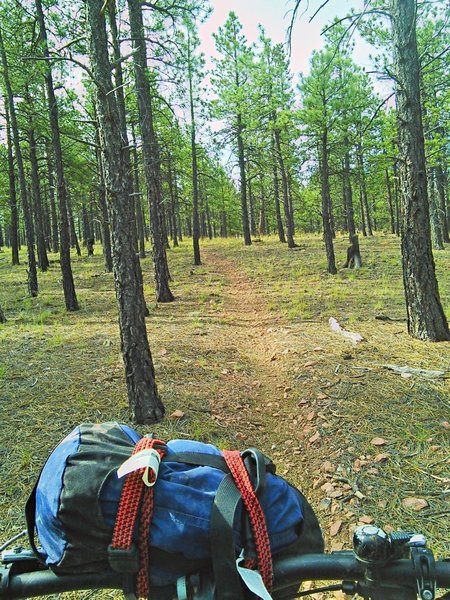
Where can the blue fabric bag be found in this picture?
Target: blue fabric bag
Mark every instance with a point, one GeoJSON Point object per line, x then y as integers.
{"type": "Point", "coordinates": [75, 501]}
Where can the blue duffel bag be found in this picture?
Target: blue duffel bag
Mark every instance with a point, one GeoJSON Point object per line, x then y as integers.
{"type": "Point", "coordinates": [74, 504]}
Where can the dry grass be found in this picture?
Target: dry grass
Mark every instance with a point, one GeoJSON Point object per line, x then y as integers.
{"type": "Point", "coordinates": [247, 354]}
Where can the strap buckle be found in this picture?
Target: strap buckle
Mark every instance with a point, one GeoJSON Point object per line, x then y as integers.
{"type": "Point", "coordinates": [123, 560]}
{"type": "Point", "coordinates": [256, 466]}
{"type": "Point", "coordinates": [148, 459]}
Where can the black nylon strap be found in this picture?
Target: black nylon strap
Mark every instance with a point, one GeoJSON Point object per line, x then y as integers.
{"type": "Point", "coordinates": [226, 577]}
{"type": "Point", "coordinates": [30, 516]}
{"type": "Point", "coordinates": [201, 459]}
{"type": "Point", "coordinates": [177, 563]}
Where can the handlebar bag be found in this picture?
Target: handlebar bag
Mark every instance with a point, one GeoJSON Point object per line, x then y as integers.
{"type": "Point", "coordinates": [75, 501]}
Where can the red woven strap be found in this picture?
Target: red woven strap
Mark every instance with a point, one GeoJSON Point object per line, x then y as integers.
{"type": "Point", "coordinates": [136, 495]}
{"type": "Point", "coordinates": [255, 512]}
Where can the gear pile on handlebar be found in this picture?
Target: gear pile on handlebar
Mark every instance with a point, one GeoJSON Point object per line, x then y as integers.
{"type": "Point", "coordinates": [186, 520]}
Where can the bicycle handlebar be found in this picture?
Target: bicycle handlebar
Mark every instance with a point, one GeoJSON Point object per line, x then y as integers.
{"type": "Point", "coordinates": [396, 579]}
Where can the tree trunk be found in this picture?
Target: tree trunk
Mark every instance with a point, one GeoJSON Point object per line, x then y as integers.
{"type": "Point", "coordinates": [36, 192]}
{"type": "Point", "coordinates": [144, 400]}
{"type": "Point", "coordinates": [223, 224]}
{"type": "Point", "coordinates": [64, 236]}
{"type": "Point", "coordinates": [173, 203]}
{"type": "Point", "coordinates": [426, 318]}
{"type": "Point", "coordinates": [276, 191]}
{"type": "Point", "coordinates": [251, 200]}
{"type": "Point", "coordinates": [150, 151]}
{"type": "Point", "coordinates": [263, 229]}
{"type": "Point", "coordinates": [138, 203]}
{"type": "Point", "coordinates": [397, 200]}
{"type": "Point", "coordinates": [364, 200]}
{"type": "Point", "coordinates": [51, 195]}
{"type": "Point", "coordinates": [361, 209]}
{"type": "Point", "coordinates": [208, 218]}
{"type": "Point", "coordinates": [177, 216]}
{"type": "Point", "coordinates": [104, 216]}
{"type": "Point", "coordinates": [120, 99]}
{"type": "Point", "coordinates": [285, 185]}
{"type": "Point", "coordinates": [72, 233]}
{"type": "Point", "coordinates": [2, 316]}
{"type": "Point", "coordinates": [31, 271]}
{"type": "Point", "coordinates": [194, 162]}
{"type": "Point", "coordinates": [435, 220]}
{"type": "Point", "coordinates": [14, 224]}
{"type": "Point", "coordinates": [326, 205]}
{"type": "Point", "coordinates": [441, 189]}
{"type": "Point", "coordinates": [139, 220]}
{"type": "Point", "coordinates": [390, 200]}
{"type": "Point", "coordinates": [195, 215]}
{"type": "Point", "coordinates": [243, 183]}
{"type": "Point", "coordinates": [348, 196]}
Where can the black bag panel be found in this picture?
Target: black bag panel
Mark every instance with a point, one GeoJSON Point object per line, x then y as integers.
{"type": "Point", "coordinates": [103, 449]}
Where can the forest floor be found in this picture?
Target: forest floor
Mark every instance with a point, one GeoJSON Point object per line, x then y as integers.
{"type": "Point", "coordinates": [245, 356]}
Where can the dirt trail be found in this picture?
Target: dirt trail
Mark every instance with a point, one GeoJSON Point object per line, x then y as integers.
{"type": "Point", "coordinates": [253, 330]}
{"type": "Point", "coordinates": [272, 405]}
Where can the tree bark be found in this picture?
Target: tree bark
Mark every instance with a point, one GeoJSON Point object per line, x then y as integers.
{"type": "Point", "coordinates": [36, 191]}
{"type": "Point", "coordinates": [397, 200]}
{"type": "Point", "coordinates": [144, 400]}
{"type": "Point", "coordinates": [194, 161]}
{"type": "Point", "coordinates": [137, 202]}
{"type": "Point", "coordinates": [441, 189]}
{"type": "Point", "coordinates": [104, 217]}
{"type": "Point", "coordinates": [2, 316]}
{"type": "Point", "coordinates": [243, 184]}
{"type": "Point", "coordinates": [348, 196]}
{"type": "Point", "coordinates": [72, 233]}
{"type": "Point", "coordinates": [150, 151]}
{"type": "Point", "coordinates": [173, 203]}
{"type": "Point", "coordinates": [120, 99]}
{"type": "Point", "coordinates": [435, 220]}
{"type": "Point", "coordinates": [425, 316]}
{"type": "Point", "coordinates": [14, 225]}
{"type": "Point", "coordinates": [364, 200]}
{"type": "Point", "coordinates": [276, 191]}
{"type": "Point", "coordinates": [326, 204]}
{"type": "Point", "coordinates": [251, 201]}
{"type": "Point", "coordinates": [70, 297]}
{"type": "Point", "coordinates": [390, 200]}
{"type": "Point", "coordinates": [32, 271]}
{"type": "Point", "coordinates": [263, 229]}
{"type": "Point", "coordinates": [51, 195]}
{"type": "Point", "coordinates": [285, 185]}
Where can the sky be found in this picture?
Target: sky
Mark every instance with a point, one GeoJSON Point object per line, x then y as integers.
{"type": "Point", "coordinates": [275, 17]}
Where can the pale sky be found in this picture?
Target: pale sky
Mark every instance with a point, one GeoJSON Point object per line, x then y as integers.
{"type": "Point", "coordinates": [275, 17]}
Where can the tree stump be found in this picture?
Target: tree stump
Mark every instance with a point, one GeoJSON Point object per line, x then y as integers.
{"type": "Point", "coordinates": [353, 254]}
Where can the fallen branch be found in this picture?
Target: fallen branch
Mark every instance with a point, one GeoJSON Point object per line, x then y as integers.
{"type": "Point", "coordinates": [418, 372]}
{"type": "Point", "coordinates": [353, 337]}
{"type": "Point", "coordinates": [386, 318]}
